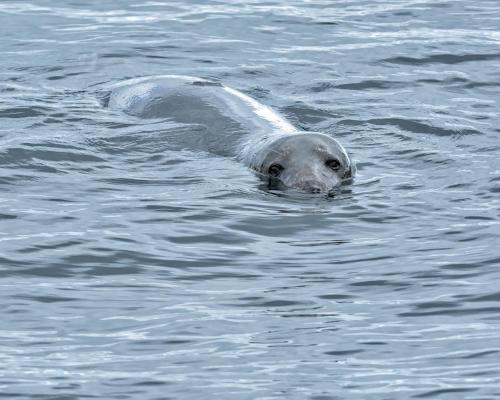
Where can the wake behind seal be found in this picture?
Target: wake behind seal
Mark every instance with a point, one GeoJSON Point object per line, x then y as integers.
{"type": "Point", "coordinates": [237, 125]}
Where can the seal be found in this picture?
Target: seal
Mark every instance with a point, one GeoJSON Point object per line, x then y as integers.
{"type": "Point", "coordinates": [227, 122]}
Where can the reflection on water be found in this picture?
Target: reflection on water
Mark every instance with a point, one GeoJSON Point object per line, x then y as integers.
{"type": "Point", "coordinates": [131, 267]}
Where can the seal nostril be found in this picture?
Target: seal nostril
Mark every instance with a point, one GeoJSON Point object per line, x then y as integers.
{"type": "Point", "coordinates": [313, 186]}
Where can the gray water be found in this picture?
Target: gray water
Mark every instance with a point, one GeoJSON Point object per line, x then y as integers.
{"type": "Point", "coordinates": [130, 269]}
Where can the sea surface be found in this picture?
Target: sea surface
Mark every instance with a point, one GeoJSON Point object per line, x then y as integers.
{"type": "Point", "coordinates": [130, 269]}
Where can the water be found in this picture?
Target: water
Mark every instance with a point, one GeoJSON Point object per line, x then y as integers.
{"type": "Point", "coordinates": [130, 269]}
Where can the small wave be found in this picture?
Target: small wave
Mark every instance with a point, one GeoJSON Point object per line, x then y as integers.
{"type": "Point", "coordinates": [413, 126]}
{"type": "Point", "coordinates": [362, 85]}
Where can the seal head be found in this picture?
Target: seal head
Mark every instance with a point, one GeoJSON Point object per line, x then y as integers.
{"type": "Point", "coordinates": [310, 162]}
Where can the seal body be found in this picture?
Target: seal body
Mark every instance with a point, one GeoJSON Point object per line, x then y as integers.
{"type": "Point", "coordinates": [231, 123]}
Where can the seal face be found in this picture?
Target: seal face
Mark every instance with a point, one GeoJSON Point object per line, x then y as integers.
{"type": "Point", "coordinates": [230, 123]}
{"type": "Point", "coordinates": [311, 162]}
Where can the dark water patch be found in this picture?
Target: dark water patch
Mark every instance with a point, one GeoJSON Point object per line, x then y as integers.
{"type": "Point", "coordinates": [7, 89]}
{"type": "Point", "coordinates": [17, 178]}
{"type": "Point", "coordinates": [458, 266]}
{"type": "Point", "coordinates": [381, 283]}
{"type": "Point", "coordinates": [458, 186]}
{"type": "Point", "coordinates": [210, 277]}
{"type": "Point", "coordinates": [479, 218]}
{"type": "Point", "coordinates": [53, 246]}
{"type": "Point", "coordinates": [126, 55]}
{"type": "Point", "coordinates": [115, 262]}
{"type": "Point", "coordinates": [445, 4]}
{"type": "Point", "coordinates": [442, 59]}
{"type": "Point", "coordinates": [446, 81]}
{"type": "Point", "coordinates": [374, 343]}
{"type": "Point", "coordinates": [473, 85]}
{"type": "Point", "coordinates": [493, 297]}
{"type": "Point", "coordinates": [221, 238]}
{"type": "Point", "coordinates": [381, 219]}
{"type": "Point", "coordinates": [481, 354]}
{"type": "Point", "coordinates": [64, 76]}
{"type": "Point", "coordinates": [437, 304]}
{"type": "Point", "coordinates": [23, 112]}
{"type": "Point", "coordinates": [157, 46]}
{"type": "Point", "coordinates": [335, 296]}
{"type": "Point", "coordinates": [406, 187]}
{"type": "Point", "coordinates": [404, 13]}
{"type": "Point", "coordinates": [162, 343]}
{"type": "Point", "coordinates": [315, 243]}
{"type": "Point", "coordinates": [9, 263]}
{"type": "Point", "coordinates": [158, 57]}
{"type": "Point", "coordinates": [8, 216]}
{"type": "Point", "coordinates": [373, 84]}
{"type": "Point", "coordinates": [205, 61]}
{"type": "Point", "coordinates": [58, 271]}
{"type": "Point", "coordinates": [439, 392]}
{"type": "Point", "coordinates": [45, 299]}
{"type": "Point", "coordinates": [454, 312]}
{"type": "Point", "coordinates": [167, 209]}
{"type": "Point", "coordinates": [343, 352]}
{"type": "Point", "coordinates": [322, 87]}
{"type": "Point", "coordinates": [59, 200]}
{"type": "Point", "coordinates": [153, 383]}
{"type": "Point", "coordinates": [272, 303]}
{"type": "Point", "coordinates": [265, 228]}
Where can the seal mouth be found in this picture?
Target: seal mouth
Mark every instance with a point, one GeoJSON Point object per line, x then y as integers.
{"type": "Point", "coordinates": [308, 188]}
{"type": "Point", "coordinates": [279, 189]}
{"type": "Point", "coordinates": [313, 187]}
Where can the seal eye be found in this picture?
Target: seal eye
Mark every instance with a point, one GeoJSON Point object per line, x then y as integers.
{"type": "Point", "coordinates": [275, 170]}
{"type": "Point", "coordinates": [332, 163]}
